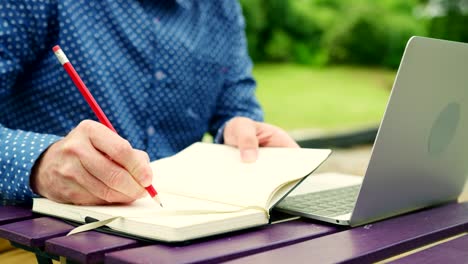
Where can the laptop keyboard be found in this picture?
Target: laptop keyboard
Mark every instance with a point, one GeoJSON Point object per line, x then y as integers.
{"type": "Point", "coordinates": [325, 203]}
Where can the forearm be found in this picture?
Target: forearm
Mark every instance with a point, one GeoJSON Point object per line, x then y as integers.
{"type": "Point", "coordinates": [22, 41]}
{"type": "Point", "coordinates": [237, 100]}
{"type": "Point", "coordinates": [238, 94]}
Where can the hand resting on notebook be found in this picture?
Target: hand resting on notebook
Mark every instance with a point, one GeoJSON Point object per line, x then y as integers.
{"type": "Point", "coordinates": [248, 135]}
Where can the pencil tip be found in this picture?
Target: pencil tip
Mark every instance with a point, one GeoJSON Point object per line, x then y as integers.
{"type": "Point", "coordinates": [156, 199]}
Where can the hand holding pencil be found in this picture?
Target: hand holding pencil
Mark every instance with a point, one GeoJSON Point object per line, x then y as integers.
{"type": "Point", "coordinates": [92, 164]}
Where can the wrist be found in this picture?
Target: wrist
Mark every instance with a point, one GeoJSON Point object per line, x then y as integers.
{"type": "Point", "coordinates": [36, 170]}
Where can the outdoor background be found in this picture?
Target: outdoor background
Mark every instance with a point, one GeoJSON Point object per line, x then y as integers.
{"type": "Point", "coordinates": [330, 64]}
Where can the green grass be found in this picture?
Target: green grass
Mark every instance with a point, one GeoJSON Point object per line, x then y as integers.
{"type": "Point", "coordinates": [298, 97]}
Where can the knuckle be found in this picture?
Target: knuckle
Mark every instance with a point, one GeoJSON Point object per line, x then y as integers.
{"type": "Point", "coordinates": [86, 125]}
{"type": "Point", "coordinates": [144, 156]}
{"type": "Point", "coordinates": [72, 147]}
{"type": "Point", "coordinates": [123, 148]}
{"type": "Point", "coordinates": [67, 146]}
{"type": "Point", "coordinates": [68, 172]}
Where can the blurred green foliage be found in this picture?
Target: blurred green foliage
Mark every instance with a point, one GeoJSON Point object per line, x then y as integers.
{"type": "Point", "coordinates": [364, 32]}
{"type": "Point", "coordinates": [448, 19]}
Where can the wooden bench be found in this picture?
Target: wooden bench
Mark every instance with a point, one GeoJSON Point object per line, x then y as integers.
{"type": "Point", "coordinates": [297, 241]}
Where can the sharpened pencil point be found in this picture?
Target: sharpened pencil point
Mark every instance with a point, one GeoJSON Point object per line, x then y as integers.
{"type": "Point", "coordinates": [156, 199]}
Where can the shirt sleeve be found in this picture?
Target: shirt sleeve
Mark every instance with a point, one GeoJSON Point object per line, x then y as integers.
{"type": "Point", "coordinates": [24, 31]}
{"type": "Point", "coordinates": [238, 94]}
{"type": "Point", "coordinates": [19, 150]}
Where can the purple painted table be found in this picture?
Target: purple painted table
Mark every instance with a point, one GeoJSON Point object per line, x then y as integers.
{"type": "Point", "coordinates": [300, 241]}
{"type": "Point", "coordinates": [453, 251]}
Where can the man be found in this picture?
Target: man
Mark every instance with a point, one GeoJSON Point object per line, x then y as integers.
{"type": "Point", "coordinates": [164, 72]}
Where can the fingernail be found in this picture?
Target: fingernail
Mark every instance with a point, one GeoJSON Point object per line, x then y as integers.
{"type": "Point", "coordinates": [249, 155]}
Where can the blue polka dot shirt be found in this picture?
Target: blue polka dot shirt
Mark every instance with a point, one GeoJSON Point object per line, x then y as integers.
{"type": "Point", "coordinates": [164, 72]}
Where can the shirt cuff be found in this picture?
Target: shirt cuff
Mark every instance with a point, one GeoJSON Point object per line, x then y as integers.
{"type": "Point", "coordinates": [219, 138]}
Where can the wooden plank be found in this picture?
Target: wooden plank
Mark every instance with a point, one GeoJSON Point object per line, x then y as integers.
{"type": "Point", "coordinates": [87, 247]}
{"type": "Point", "coordinates": [373, 242]}
{"type": "Point", "coordinates": [9, 214]}
{"type": "Point", "coordinates": [33, 233]}
{"type": "Point", "coordinates": [453, 251]}
{"type": "Point", "coordinates": [225, 247]}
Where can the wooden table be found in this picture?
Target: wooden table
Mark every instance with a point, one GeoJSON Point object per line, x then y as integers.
{"type": "Point", "coordinates": [297, 241]}
{"type": "Point", "coordinates": [435, 235]}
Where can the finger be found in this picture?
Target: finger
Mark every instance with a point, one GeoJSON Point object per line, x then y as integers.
{"type": "Point", "coordinates": [119, 150]}
{"type": "Point", "coordinates": [69, 191]}
{"type": "Point", "coordinates": [112, 176]}
{"type": "Point", "coordinates": [75, 171]}
{"type": "Point", "coordinates": [272, 136]}
{"type": "Point", "coordinates": [84, 197]}
{"type": "Point", "coordinates": [242, 133]}
{"type": "Point", "coordinates": [102, 192]}
{"type": "Point", "coordinates": [143, 154]}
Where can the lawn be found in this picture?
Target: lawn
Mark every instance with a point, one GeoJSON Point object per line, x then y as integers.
{"type": "Point", "coordinates": [298, 97]}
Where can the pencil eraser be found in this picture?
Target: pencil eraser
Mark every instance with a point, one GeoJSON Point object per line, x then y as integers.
{"type": "Point", "coordinates": [56, 48]}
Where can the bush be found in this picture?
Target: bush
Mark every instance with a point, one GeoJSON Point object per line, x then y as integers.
{"type": "Point", "coordinates": [309, 54]}
{"type": "Point", "coordinates": [360, 39]}
{"type": "Point", "coordinates": [303, 20]}
{"type": "Point", "coordinates": [256, 24]}
{"type": "Point", "coordinates": [279, 48]}
{"type": "Point", "coordinates": [317, 32]}
{"type": "Point", "coordinates": [307, 22]}
{"type": "Point", "coordinates": [403, 28]}
{"type": "Point", "coordinates": [451, 26]}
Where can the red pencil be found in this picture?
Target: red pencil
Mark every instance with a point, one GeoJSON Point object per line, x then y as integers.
{"type": "Point", "coordinates": [92, 103]}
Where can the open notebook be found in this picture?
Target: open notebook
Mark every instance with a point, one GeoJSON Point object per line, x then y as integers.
{"type": "Point", "coordinates": [206, 190]}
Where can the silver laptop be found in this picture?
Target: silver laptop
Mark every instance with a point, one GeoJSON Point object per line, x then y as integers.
{"type": "Point", "coordinates": [420, 155]}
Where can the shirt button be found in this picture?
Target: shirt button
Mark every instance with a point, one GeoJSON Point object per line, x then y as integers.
{"type": "Point", "coordinates": [160, 75]}
{"type": "Point", "coordinates": [150, 131]}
